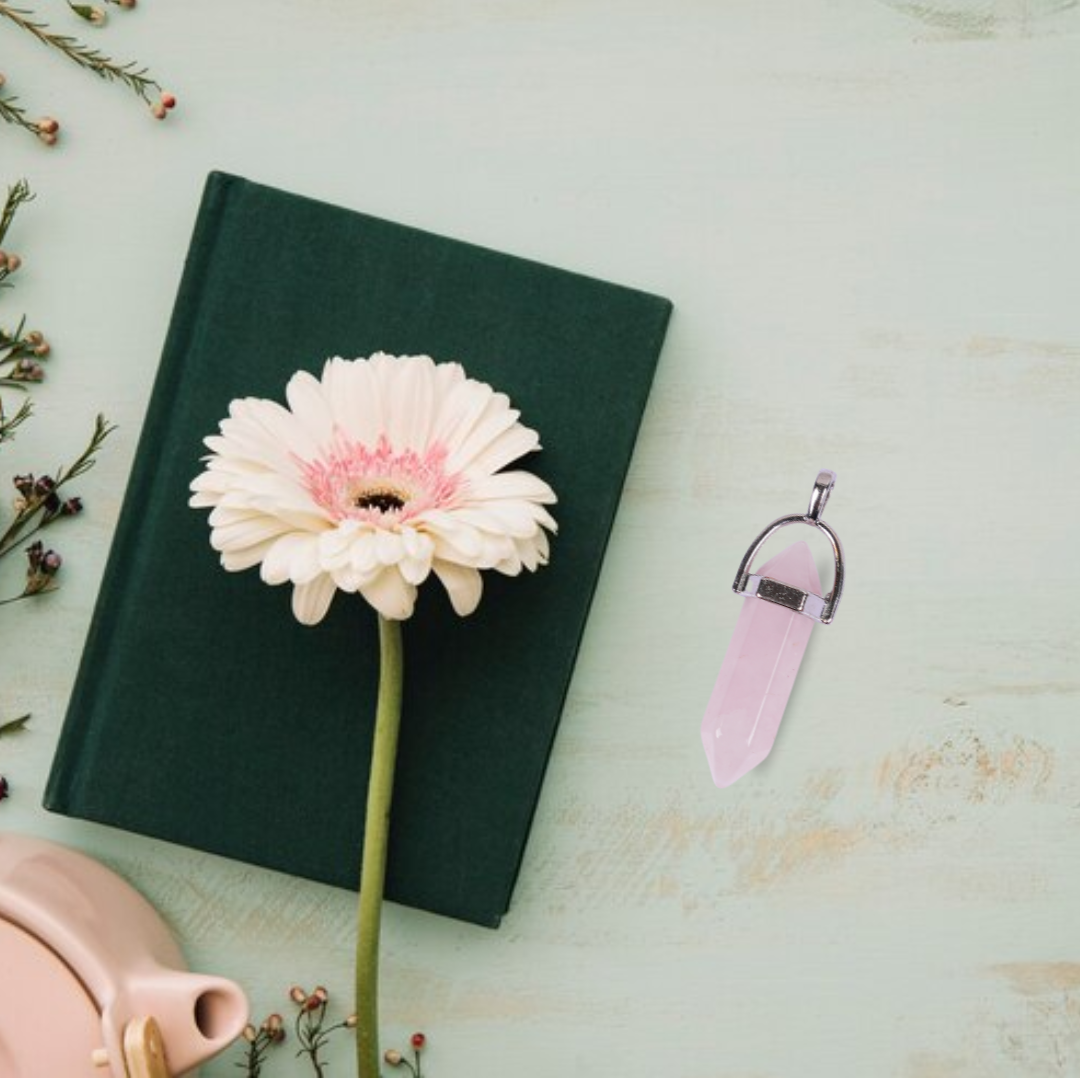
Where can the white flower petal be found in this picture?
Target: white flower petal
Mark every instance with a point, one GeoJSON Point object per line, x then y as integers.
{"type": "Point", "coordinates": [390, 594]}
{"type": "Point", "coordinates": [311, 601]}
{"type": "Point", "coordinates": [355, 399]}
{"type": "Point", "coordinates": [463, 584]}
{"type": "Point", "coordinates": [511, 485]}
{"type": "Point", "coordinates": [495, 421]}
{"type": "Point", "coordinates": [277, 563]}
{"type": "Point", "coordinates": [460, 409]}
{"type": "Point", "coordinates": [449, 528]}
{"type": "Point", "coordinates": [281, 427]}
{"type": "Point", "coordinates": [388, 547]}
{"type": "Point", "coordinates": [411, 406]}
{"type": "Point", "coordinates": [533, 551]}
{"type": "Point", "coordinates": [505, 448]}
{"type": "Point", "coordinates": [245, 532]}
{"type": "Point", "coordinates": [415, 571]}
{"type": "Point", "coordinates": [245, 558]}
{"type": "Point", "coordinates": [363, 555]}
{"type": "Point", "coordinates": [335, 544]}
{"type": "Point", "coordinates": [309, 406]}
{"type": "Point", "coordinates": [293, 557]}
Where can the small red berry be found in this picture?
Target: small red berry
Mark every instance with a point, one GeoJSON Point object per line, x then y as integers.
{"type": "Point", "coordinates": [168, 100]}
{"type": "Point", "coordinates": [418, 1040]}
{"type": "Point", "coordinates": [159, 111]}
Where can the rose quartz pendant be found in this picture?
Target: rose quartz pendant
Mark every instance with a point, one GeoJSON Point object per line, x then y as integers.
{"type": "Point", "coordinates": [783, 601]}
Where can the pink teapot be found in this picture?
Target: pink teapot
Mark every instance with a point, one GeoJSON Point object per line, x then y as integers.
{"type": "Point", "coordinates": [92, 982]}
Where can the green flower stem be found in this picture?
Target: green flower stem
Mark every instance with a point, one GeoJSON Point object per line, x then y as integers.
{"type": "Point", "coordinates": [376, 832]}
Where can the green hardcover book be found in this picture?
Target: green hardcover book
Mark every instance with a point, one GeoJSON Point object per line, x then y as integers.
{"type": "Point", "coordinates": [203, 713]}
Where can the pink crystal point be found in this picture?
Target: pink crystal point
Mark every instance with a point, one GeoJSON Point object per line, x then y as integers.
{"type": "Point", "coordinates": [759, 669]}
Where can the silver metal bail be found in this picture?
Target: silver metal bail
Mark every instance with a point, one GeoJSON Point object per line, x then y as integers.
{"type": "Point", "coordinates": [823, 486]}
{"type": "Point", "coordinates": [819, 608]}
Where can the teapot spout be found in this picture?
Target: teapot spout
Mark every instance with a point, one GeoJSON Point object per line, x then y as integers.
{"type": "Point", "coordinates": [198, 1015]}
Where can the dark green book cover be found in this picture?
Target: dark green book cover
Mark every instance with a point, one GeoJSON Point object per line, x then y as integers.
{"type": "Point", "coordinates": [203, 713]}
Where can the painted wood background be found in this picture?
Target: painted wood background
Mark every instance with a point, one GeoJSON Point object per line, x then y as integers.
{"type": "Point", "coordinates": [867, 213]}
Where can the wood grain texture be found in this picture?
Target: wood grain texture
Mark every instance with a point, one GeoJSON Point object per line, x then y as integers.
{"type": "Point", "coordinates": [867, 214]}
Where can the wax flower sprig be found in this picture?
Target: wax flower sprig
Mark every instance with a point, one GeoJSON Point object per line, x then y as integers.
{"type": "Point", "coordinates": [40, 500]}
{"type": "Point", "coordinates": [259, 1041]}
{"type": "Point", "coordinates": [398, 1060]}
{"type": "Point", "coordinates": [130, 74]}
{"type": "Point", "coordinates": [311, 1027]}
{"type": "Point", "coordinates": [312, 1030]}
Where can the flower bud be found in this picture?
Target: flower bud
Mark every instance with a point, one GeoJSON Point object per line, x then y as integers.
{"type": "Point", "coordinates": [350, 1020]}
{"type": "Point", "coordinates": [42, 349]}
{"type": "Point", "coordinates": [24, 484]}
{"type": "Point", "coordinates": [71, 507]}
{"type": "Point", "coordinates": [44, 485]}
{"type": "Point", "coordinates": [48, 138]}
{"type": "Point", "coordinates": [88, 12]}
{"type": "Point", "coordinates": [27, 370]}
{"type": "Point", "coordinates": [168, 100]}
{"type": "Point", "coordinates": [48, 126]}
{"type": "Point", "coordinates": [13, 263]}
{"type": "Point", "coordinates": [249, 1033]}
{"type": "Point", "coordinates": [34, 555]}
{"type": "Point", "coordinates": [321, 993]}
{"type": "Point", "coordinates": [159, 111]}
{"type": "Point", "coordinates": [312, 1004]}
{"type": "Point", "coordinates": [418, 1040]}
{"type": "Point", "coordinates": [35, 337]}
{"type": "Point", "coordinates": [51, 562]}
{"type": "Point", "coordinates": [273, 1023]}
{"type": "Point", "coordinates": [298, 994]}
{"type": "Point", "coordinates": [393, 1057]}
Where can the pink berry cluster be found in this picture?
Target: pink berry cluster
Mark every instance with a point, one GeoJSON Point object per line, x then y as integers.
{"type": "Point", "coordinates": [417, 1042]}
{"type": "Point", "coordinates": [164, 105]}
{"type": "Point", "coordinates": [311, 1030]}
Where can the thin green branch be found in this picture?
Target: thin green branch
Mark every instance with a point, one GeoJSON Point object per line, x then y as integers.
{"type": "Point", "coordinates": [9, 423]}
{"type": "Point", "coordinates": [15, 535]}
{"type": "Point", "coordinates": [13, 113]}
{"type": "Point", "coordinates": [18, 194]}
{"type": "Point", "coordinates": [27, 595]}
{"type": "Point", "coordinates": [137, 79]}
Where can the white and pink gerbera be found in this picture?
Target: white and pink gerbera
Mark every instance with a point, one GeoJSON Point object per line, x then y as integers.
{"type": "Point", "coordinates": [378, 474]}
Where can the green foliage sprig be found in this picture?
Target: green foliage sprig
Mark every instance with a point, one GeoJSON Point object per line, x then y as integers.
{"type": "Point", "coordinates": [41, 500]}
{"type": "Point", "coordinates": [131, 74]}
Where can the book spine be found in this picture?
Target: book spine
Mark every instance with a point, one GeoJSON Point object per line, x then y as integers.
{"type": "Point", "coordinates": [63, 792]}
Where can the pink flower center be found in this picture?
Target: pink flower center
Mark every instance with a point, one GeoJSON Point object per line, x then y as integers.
{"type": "Point", "coordinates": [380, 485]}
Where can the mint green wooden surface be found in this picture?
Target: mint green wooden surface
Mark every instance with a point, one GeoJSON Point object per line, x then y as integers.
{"type": "Point", "coordinates": [868, 216]}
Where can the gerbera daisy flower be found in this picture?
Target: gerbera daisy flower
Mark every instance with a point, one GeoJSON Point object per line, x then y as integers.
{"type": "Point", "coordinates": [381, 472]}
